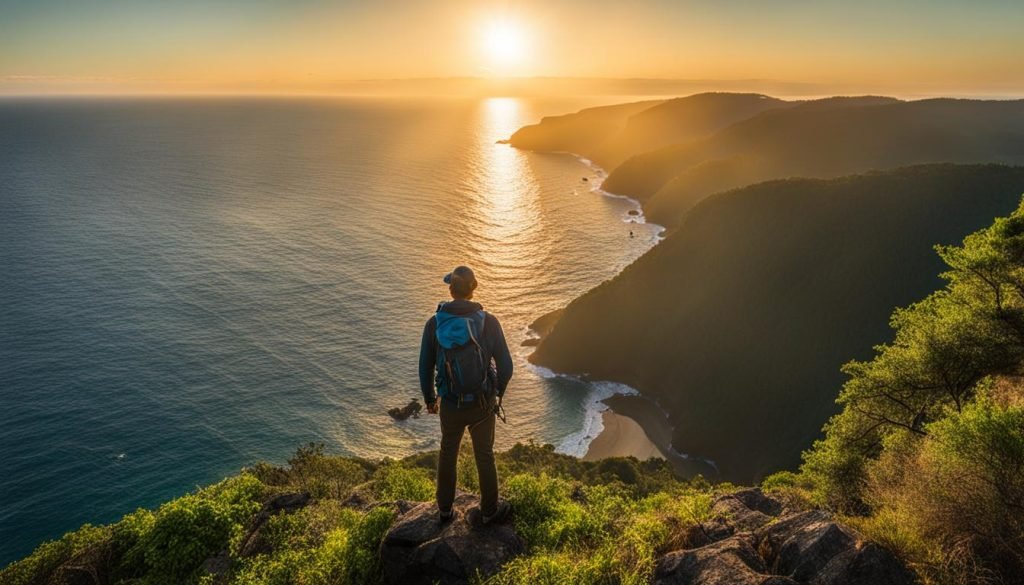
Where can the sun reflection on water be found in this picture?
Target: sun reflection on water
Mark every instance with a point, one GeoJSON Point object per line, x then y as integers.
{"type": "Point", "coordinates": [507, 221]}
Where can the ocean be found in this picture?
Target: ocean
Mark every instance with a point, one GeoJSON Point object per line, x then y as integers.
{"type": "Point", "coordinates": [191, 285]}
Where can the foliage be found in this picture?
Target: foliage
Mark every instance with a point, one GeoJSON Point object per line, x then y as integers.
{"type": "Point", "coordinates": [947, 501]}
{"type": "Point", "coordinates": [187, 531]}
{"type": "Point", "coordinates": [394, 481]}
{"type": "Point", "coordinates": [639, 477]}
{"type": "Point", "coordinates": [944, 346]}
{"type": "Point", "coordinates": [595, 534]}
{"type": "Point", "coordinates": [309, 470]}
{"type": "Point", "coordinates": [330, 545]}
{"type": "Point", "coordinates": [928, 451]}
{"type": "Point", "coordinates": [46, 563]}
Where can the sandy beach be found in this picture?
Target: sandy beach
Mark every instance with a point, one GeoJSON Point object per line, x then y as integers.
{"type": "Point", "coordinates": [621, 437]}
{"type": "Point", "coordinates": [636, 425]}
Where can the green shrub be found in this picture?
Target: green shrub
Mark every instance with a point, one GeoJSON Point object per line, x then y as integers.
{"type": "Point", "coordinates": [310, 470]}
{"type": "Point", "coordinates": [563, 568]}
{"type": "Point", "coordinates": [311, 553]}
{"type": "Point", "coordinates": [172, 545]}
{"type": "Point", "coordinates": [944, 346]}
{"type": "Point", "coordinates": [393, 481]}
{"type": "Point", "coordinates": [467, 477]}
{"type": "Point", "coordinates": [595, 534]}
{"type": "Point", "coordinates": [778, 480]}
{"type": "Point", "coordinates": [44, 564]}
{"type": "Point", "coordinates": [186, 532]}
{"type": "Point", "coordinates": [945, 501]}
{"type": "Point", "coordinates": [362, 565]}
{"type": "Point", "coordinates": [125, 537]}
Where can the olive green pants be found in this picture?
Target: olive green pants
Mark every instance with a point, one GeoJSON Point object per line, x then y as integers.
{"type": "Point", "coordinates": [480, 422]}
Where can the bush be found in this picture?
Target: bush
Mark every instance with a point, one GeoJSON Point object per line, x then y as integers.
{"type": "Point", "coordinates": [584, 522]}
{"type": "Point", "coordinates": [595, 534]}
{"type": "Point", "coordinates": [45, 564]}
{"type": "Point", "coordinates": [185, 532]}
{"type": "Point", "coordinates": [393, 481]}
{"type": "Point", "coordinates": [945, 502]}
{"type": "Point", "coordinates": [310, 470]}
{"type": "Point", "coordinates": [338, 546]}
{"type": "Point", "coordinates": [944, 346]}
{"type": "Point", "coordinates": [558, 568]}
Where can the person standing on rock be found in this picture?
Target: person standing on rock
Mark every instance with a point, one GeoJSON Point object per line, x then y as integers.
{"type": "Point", "coordinates": [465, 366]}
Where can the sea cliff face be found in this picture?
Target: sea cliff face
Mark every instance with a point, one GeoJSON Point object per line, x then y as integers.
{"type": "Point", "coordinates": [739, 321]}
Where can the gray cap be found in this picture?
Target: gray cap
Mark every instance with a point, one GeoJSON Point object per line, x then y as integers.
{"type": "Point", "coordinates": [461, 274]}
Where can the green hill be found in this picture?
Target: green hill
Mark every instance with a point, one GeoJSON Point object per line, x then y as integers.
{"type": "Point", "coordinates": [825, 138]}
{"type": "Point", "coordinates": [583, 132]}
{"type": "Point", "coordinates": [609, 135]}
{"type": "Point", "coordinates": [739, 321]}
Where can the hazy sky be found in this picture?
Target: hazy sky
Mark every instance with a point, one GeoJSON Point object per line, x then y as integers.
{"type": "Point", "coordinates": [308, 45]}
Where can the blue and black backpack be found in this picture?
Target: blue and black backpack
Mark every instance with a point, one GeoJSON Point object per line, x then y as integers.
{"type": "Point", "coordinates": [462, 363]}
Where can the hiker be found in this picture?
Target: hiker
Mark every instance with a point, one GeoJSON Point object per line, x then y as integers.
{"type": "Point", "coordinates": [464, 355]}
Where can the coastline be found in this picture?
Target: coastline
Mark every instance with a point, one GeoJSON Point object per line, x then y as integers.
{"type": "Point", "coordinates": [624, 423]}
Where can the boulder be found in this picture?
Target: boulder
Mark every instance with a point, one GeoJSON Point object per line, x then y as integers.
{"type": "Point", "coordinates": [801, 545]}
{"type": "Point", "coordinates": [732, 561]}
{"type": "Point", "coordinates": [809, 550]}
{"type": "Point", "coordinates": [771, 537]}
{"type": "Point", "coordinates": [707, 532]}
{"type": "Point", "coordinates": [743, 511]}
{"type": "Point", "coordinates": [755, 499]}
{"type": "Point", "coordinates": [738, 515]}
{"type": "Point", "coordinates": [750, 539]}
{"type": "Point", "coordinates": [864, 564]}
{"type": "Point", "coordinates": [419, 549]}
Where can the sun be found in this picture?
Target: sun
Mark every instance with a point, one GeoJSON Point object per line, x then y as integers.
{"type": "Point", "coordinates": [504, 43]}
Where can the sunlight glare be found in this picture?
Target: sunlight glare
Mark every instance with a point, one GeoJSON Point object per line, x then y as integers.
{"type": "Point", "coordinates": [504, 43]}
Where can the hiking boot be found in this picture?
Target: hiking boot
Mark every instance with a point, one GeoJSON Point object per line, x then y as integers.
{"type": "Point", "coordinates": [445, 517]}
{"type": "Point", "coordinates": [499, 514]}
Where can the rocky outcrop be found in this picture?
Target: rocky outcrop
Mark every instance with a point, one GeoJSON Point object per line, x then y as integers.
{"type": "Point", "coordinates": [419, 549]}
{"type": "Point", "coordinates": [733, 560]}
{"type": "Point", "coordinates": [863, 564]}
{"type": "Point", "coordinates": [752, 539]}
{"type": "Point", "coordinates": [412, 409]}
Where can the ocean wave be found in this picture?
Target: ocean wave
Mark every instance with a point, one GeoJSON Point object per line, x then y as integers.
{"type": "Point", "coordinates": [577, 444]}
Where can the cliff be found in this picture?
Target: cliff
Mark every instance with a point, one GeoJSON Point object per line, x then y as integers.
{"type": "Point", "coordinates": [739, 321]}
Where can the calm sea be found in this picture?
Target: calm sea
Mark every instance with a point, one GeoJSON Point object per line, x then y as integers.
{"type": "Point", "coordinates": [189, 286]}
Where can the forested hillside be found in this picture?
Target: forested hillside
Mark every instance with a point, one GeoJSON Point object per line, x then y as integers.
{"type": "Point", "coordinates": [739, 321]}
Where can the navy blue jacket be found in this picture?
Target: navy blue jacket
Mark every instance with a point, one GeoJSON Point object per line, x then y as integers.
{"type": "Point", "coordinates": [492, 341]}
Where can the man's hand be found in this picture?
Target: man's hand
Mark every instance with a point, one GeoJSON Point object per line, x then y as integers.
{"type": "Point", "coordinates": [432, 407]}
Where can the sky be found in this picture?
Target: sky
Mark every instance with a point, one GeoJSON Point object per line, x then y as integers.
{"type": "Point", "coordinates": [312, 46]}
